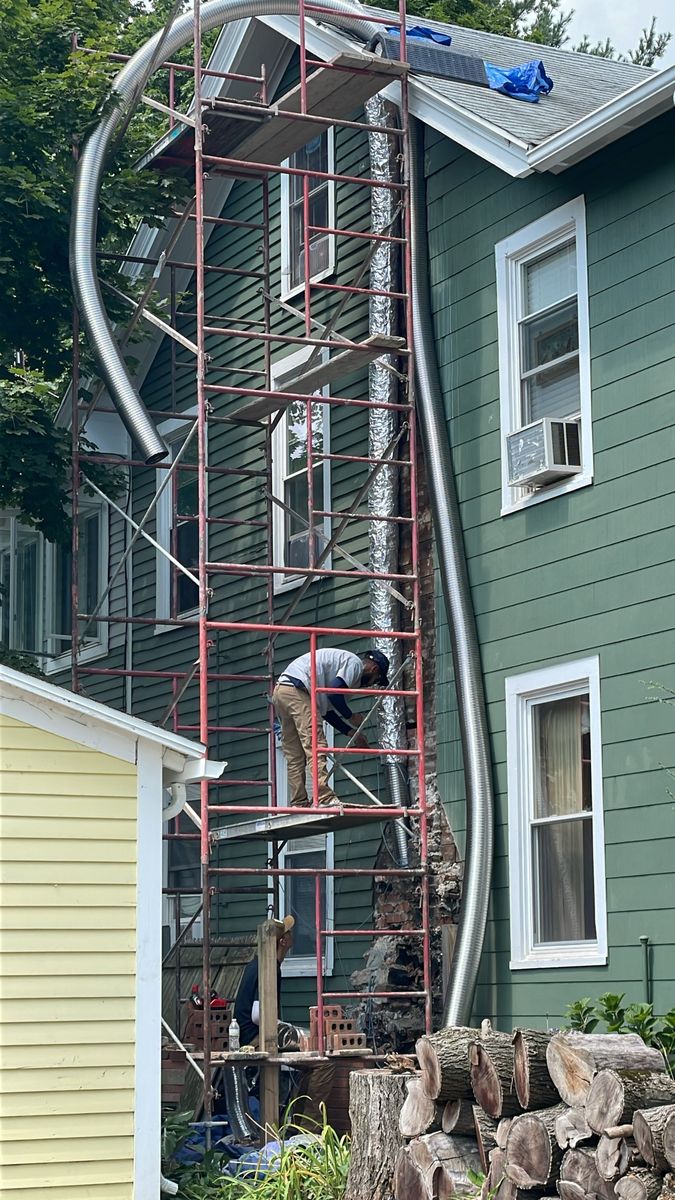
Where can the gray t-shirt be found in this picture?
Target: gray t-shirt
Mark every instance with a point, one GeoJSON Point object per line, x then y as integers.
{"type": "Point", "coordinates": [330, 663]}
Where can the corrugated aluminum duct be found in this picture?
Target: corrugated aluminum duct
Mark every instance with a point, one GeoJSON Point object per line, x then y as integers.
{"type": "Point", "coordinates": [382, 428]}
{"type": "Point", "coordinates": [460, 616]}
{"type": "Point", "coordinates": [89, 174]}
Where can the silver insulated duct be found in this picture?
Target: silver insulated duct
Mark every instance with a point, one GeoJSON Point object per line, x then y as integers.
{"type": "Point", "coordinates": [126, 88]}
{"type": "Point", "coordinates": [383, 424]}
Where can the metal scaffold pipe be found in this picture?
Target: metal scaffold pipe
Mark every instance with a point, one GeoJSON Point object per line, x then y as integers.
{"type": "Point", "coordinates": [126, 94]}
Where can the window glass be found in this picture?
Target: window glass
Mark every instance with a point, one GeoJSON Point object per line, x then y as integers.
{"type": "Point", "coordinates": [299, 899]}
{"type": "Point", "coordinates": [313, 156]}
{"type": "Point", "coordinates": [186, 531]}
{"type": "Point", "coordinates": [89, 583]}
{"type": "Point", "coordinates": [549, 336]}
{"type": "Point", "coordinates": [21, 553]}
{"type": "Point", "coordinates": [562, 849]}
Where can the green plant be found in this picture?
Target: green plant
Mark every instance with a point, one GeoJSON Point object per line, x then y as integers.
{"type": "Point", "coordinates": [581, 1015]}
{"type": "Point", "coordinates": [640, 1019]}
{"type": "Point", "coordinates": [611, 1011]}
{"type": "Point", "coordinates": [312, 1170]}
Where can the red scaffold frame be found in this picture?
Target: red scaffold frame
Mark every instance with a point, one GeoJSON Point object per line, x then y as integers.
{"type": "Point", "coordinates": [261, 387]}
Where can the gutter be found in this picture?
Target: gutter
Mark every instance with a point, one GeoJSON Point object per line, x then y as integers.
{"type": "Point", "coordinates": [612, 120]}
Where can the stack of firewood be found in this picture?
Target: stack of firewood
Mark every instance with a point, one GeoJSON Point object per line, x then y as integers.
{"type": "Point", "coordinates": [586, 1116]}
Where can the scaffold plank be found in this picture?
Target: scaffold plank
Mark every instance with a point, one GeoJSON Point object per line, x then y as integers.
{"type": "Point", "coordinates": [295, 824]}
{"type": "Point", "coordinates": [318, 376]}
{"type": "Point", "coordinates": [337, 90]}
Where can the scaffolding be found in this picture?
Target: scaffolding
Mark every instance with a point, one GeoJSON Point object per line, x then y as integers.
{"type": "Point", "coordinates": [252, 139]}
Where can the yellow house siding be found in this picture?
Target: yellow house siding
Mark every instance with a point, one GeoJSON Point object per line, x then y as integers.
{"type": "Point", "coordinates": [68, 852]}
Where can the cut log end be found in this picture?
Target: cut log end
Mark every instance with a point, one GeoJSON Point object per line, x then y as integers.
{"type": "Point", "coordinates": [639, 1184]}
{"type": "Point", "coordinates": [651, 1128]}
{"type": "Point", "coordinates": [572, 1128]}
{"type": "Point", "coordinates": [419, 1114]}
{"type": "Point", "coordinates": [574, 1059]}
{"type": "Point", "coordinates": [531, 1079]}
{"type": "Point", "coordinates": [615, 1095]}
{"type": "Point", "coordinates": [532, 1152]}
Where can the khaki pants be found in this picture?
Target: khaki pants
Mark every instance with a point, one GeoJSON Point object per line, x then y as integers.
{"type": "Point", "coordinates": [294, 709]}
{"type": "Point", "coordinates": [311, 1091]}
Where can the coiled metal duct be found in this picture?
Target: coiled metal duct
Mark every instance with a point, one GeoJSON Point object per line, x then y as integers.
{"type": "Point", "coordinates": [88, 187]}
{"type": "Point", "coordinates": [459, 613]}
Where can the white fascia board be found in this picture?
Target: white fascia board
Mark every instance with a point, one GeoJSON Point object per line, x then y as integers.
{"type": "Point", "coordinates": [634, 107]}
{"type": "Point", "coordinates": [28, 692]}
{"type": "Point", "coordinates": [452, 120]}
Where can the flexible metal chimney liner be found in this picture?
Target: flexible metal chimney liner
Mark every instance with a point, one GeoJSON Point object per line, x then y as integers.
{"type": "Point", "coordinates": [430, 413]}
{"type": "Point", "coordinates": [382, 428]}
{"type": "Point", "coordinates": [460, 617]}
{"type": "Point", "coordinates": [88, 178]}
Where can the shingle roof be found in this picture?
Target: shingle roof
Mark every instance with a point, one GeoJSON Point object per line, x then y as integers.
{"type": "Point", "coordinates": [581, 83]}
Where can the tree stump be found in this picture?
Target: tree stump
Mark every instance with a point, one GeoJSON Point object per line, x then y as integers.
{"type": "Point", "coordinates": [533, 1155]}
{"type": "Point", "coordinates": [491, 1073]}
{"type": "Point", "coordinates": [579, 1177]}
{"type": "Point", "coordinates": [573, 1060]}
{"type": "Point", "coordinates": [571, 1127]}
{"type": "Point", "coordinates": [485, 1129]}
{"type": "Point", "coordinates": [443, 1059]}
{"type": "Point", "coordinates": [614, 1096]}
{"type": "Point", "coordinates": [648, 1131]}
{"type": "Point", "coordinates": [458, 1118]}
{"type": "Point", "coordinates": [419, 1114]}
{"type": "Point", "coordinates": [616, 1155]}
{"type": "Point", "coordinates": [639, 1184]}
{"type": "Point", "coordinates": [375, 1101]}
{"type": "Point", "coordinates": [533, 1084]}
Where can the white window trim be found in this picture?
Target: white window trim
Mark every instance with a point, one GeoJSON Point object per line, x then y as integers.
{"type": "Point", "coordinates": [170, 901]}
{"type": "Point", "coordinates": [170, 431]}
{"type": "Point", "coordinates": [286, 290]}
{"type": "Point", "coordinates": [98, 648]}
{"type": "Point", "coordinates": [549, 683]}
{"type": "Point", "coordinates": [305, 965]}
{"type": "Point", "coordinates": [510, 254]}
{"type": "Point", "coordinates": [10, 600]}
{"type": "Point", "coordinates": [282, 583]}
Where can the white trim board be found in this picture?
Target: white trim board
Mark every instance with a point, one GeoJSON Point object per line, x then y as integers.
{"type": "Point", "coordinates": [556, 681]}
{"type": "Point", "coordinates": [148, 1039]}
{"type": "Point", "coordinates": [85, 721]}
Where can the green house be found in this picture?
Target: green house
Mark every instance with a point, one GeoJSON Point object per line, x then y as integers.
{"type": "Point", "coordinates": [551, 247]}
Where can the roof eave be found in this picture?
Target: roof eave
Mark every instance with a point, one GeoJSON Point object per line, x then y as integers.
{"type": "Point", "coordinates": [630, 110]}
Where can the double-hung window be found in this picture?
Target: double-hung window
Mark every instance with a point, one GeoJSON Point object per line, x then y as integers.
{"type": "Point", "coordinates": [291, 518]}
{"type": "Point", "coordinates": [21, 562]}
{"type": "Point", "coordinates": [178, 530]}
{"type": "Point", "coordinates": [556, 838]}
{"type": "Point", "coordinates": [297, 893]}
{"type": "Point", "coordinates": [544, 354]}
{"type": "Point", "coordinates": [182, 876]}
{"type": "Point", "coordinates": [92, 566]}
{"type": "Point", "coordinates": [316, 155]}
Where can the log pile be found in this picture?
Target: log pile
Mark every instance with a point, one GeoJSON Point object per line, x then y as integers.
{"type": "Point", "coordinates": [581, 1116]}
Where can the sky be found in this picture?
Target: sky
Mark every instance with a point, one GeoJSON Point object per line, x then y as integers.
{"type": "Point", "coordinates": [622, 21]}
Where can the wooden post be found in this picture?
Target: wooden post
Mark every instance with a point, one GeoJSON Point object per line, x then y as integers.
{"type": "Point", "coordinates": [268, 933]}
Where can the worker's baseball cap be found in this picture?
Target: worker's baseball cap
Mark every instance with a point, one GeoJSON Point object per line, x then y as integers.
{"type": "Point", "coordinates": [382, 662]}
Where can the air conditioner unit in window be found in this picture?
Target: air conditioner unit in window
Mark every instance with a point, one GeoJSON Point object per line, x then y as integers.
{"type": "Point", "coordinates": [542, 452]}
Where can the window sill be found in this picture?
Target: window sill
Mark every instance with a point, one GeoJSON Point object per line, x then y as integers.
{"type": "Point", "coordinates": [547, 493]}
{"type": "Point", "coordinates": [305, 968]}
{"type": "Point", "coordinates": [192, 615]}
{"type": "Point", "coordinates": [282, 585]}
{"type": "Point", "coordinates": [574, 957]}
{"type": "Point", "coordinates": [65, 661]}
{"type": "Point", "coordinates": [298, 288]}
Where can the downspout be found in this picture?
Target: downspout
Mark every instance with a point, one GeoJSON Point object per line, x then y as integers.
{"type": "Point", "coordinates": [89, 174]}
{"type": "Point", "coordinates": [449, 539]}
{"type": "Point", "coordinates": [382, 428]}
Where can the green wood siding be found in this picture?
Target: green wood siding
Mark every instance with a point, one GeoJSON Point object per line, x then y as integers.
{"type": "Point", "coordinates": [591, 572]}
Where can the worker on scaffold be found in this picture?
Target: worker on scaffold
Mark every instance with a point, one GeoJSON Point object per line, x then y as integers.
{"type": "Point", "coordinates": [339, 670]}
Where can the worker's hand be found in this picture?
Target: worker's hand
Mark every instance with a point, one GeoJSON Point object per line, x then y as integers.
{"type": "Point", "coordinates": [356, 720]}
{"type": "Point", "coordinates": [360, 741]}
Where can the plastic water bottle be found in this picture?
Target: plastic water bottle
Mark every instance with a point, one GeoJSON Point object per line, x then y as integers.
{"type": "Point", "coordinates": [233, 1035]}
